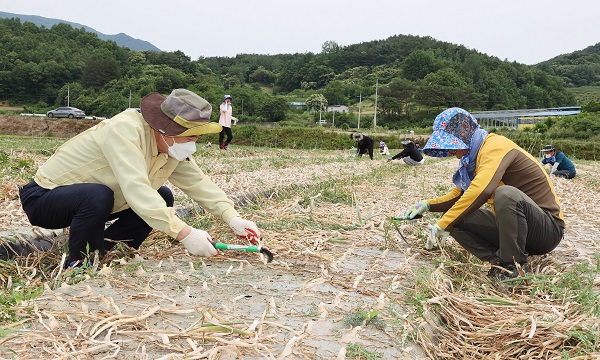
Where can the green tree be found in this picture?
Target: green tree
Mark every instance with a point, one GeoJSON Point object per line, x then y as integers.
{"type": "Point", "coordinates": [474, 69]}
{"type": "Point", "coordinates": [591, 106]}
{"type": "Point", "coordinates": [71, 94]}
{"type": "Point", "coordinates": [165, 78]}
{"type": "Point", "coordinates": [501, 91]}
{"type": "Point", "coordinates": [334, 92]}
{"type": "Point", "coordinates": [316, 102]}
{"type": "Point", "coordinates": [99, 70]}
{"type": "Point", "coordinates": [274, 108]}
{"type": "Point", "coordinates": [262, 76]}
{"type": "Point", "coordinates": [418, 64]}
{"type": "Point", "coordinates": [403, 92]}
{"type": "Point", "coordinates": [330, 47]}
{"type": "Point", "coordinates": [454, 89]}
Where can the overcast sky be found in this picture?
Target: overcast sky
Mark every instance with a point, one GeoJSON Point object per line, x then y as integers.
{"type": "Point", "coordinates": [526, 31]}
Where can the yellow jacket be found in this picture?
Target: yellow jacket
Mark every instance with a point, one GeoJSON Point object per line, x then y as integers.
{"type": "Point", "coordinates": [121, 153]}
{"type": "Point", "coordinates": [499, 162]}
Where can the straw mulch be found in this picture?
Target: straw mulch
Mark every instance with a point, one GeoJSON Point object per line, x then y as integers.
{"type": "Point", "coordinates": [493, 325]}
{"type": "Point", "coordinates": [331, 256]}
{"type": "Point", "coordinates": [476, 319]}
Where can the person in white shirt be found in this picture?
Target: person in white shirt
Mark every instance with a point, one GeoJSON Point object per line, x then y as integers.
{"type": "Point", "coordinates": [225, 122]}
{"type": "Point", "coordinates": [383, 149]}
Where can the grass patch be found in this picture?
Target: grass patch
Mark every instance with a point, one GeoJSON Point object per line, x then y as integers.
{"type": "Point", "coordinates": [39, 145]}
{"type": "Point", "coordinates": [358, 351]}
{"type": "Point", "coordinates": [575, 285]}
{"type": "Point", "coordinates": [16, 167]}
{"type": "Point", "coordinates": [364, 317]}
{"type": "Point", "coordinates": [15, 296]}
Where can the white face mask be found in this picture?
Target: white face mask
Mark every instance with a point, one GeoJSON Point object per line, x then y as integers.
{"type": "Point", "coordinates": [548, 156]}
{"type": "Point", "coordinates": [180, 151]}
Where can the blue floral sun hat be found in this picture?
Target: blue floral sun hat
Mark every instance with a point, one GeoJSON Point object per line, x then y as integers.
{"type": "Point", "coordinates": [453, 129]}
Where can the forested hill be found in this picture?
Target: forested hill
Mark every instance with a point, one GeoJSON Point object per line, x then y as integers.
{"type": "Point", "coordinates": [121, 39]}
{"type": "Point", "coordinates": [412, 68]}
{"type": "Point", "coordinates": [416, 76]}
{"type": "Point", "coordinates": [579, 68]}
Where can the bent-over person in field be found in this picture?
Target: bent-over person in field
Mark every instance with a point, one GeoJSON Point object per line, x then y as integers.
{"type": "Point", "coordinates": [525, 217]}
{"type": "Point", "coordinates": [561, 165]}
{"type": "Point", "coordinates": [364, 144]}
{"type": "Point", "coordinates": [117, 169]}
{"type": "Point", "coordinates": [410, 155]}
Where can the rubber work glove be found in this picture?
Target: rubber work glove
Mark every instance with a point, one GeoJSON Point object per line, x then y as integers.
{"type": "Point", "coordinates": [199, 242]}
{"type": "Point", "coordinates": [417, 209]}
{"type": "Point", "coordinates": [245, 229]}
{"type": "Point", "coordinates": [437, 237]}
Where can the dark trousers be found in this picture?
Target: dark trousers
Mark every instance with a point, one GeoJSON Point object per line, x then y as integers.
{"type": "Point", "coordinates": [364, 149]}
{"type": "Point", "coordinates": [518, 228]}
{"type": "Point", "coordinates": [85, 208]}
{"type": "Point", "coordinates": [565, 173]}
{"type": "Point", "coordinates": [225, 131]}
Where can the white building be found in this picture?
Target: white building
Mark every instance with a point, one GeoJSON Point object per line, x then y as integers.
{"type": "Point", "coordinates": [337, 108]}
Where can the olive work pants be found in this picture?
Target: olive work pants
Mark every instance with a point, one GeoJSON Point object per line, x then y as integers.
{"type": "Point", "coordinates": [517, 228]}
{"type": "Point", "coordinates": [85, 209]}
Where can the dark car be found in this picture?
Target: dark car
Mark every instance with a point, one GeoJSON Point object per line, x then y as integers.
{"type": "Point", "coordinates": [68, 112]}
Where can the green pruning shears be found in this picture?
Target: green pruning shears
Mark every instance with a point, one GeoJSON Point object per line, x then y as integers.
{"type": "Point", "coordinates": [247, 248]}
{"type": "Point", "coordinates": [418, 216]}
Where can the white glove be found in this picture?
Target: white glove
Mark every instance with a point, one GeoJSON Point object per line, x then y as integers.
{"type": "Point", "coordinates": [199, 242]}
{"type": "Point", "coordinates": [436, 233]}
{"type": "Point", "coordinates": [417, 209]}
{"type": "Point", "coordinates": [245, 229]}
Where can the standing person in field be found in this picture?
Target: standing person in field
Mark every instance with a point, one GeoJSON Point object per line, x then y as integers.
{"type": "Point", "coordinates": [225, 112]}
{"type": "Point", "coordinates": [525, 217]}
{"type": "Point", "coordinates": [117, 169]}
{"type": "Point", "coordinates": [410, 155]}
{"type": "Point", "coordinates": [561, 165]}
{"type": "Point", "coordinates": [364, 144]}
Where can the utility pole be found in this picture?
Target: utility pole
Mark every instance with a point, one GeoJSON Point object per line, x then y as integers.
{"type": "Point", "coordinates": [320, 109]}
{"type": "Point", "coordinates": [359, 104]}
{"type": "Point", "coordinates": [333, 120]}
{"type": "Point", "coordinates": [68, 96]}
{"type": "Point", "coordinates": [130, 99]}
{"type": "Point", "coordinates": [375, 113]}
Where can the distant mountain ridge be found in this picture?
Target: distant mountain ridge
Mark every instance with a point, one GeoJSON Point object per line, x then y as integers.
{"type": "Point", "coordinates": [120, 39]}
{"type": "Point", "coordinates": [579, 68]}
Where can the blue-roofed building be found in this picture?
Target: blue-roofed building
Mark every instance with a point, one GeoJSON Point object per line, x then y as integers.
{"type": "Point", "coordinates": [520, 119]}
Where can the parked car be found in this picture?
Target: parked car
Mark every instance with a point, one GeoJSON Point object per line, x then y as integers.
{"type": "Point", "coordinates": [68, 112]}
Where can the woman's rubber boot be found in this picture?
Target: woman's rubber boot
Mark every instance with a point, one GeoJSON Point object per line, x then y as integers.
{"type": "Point", "coordinates": [222, 146]}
